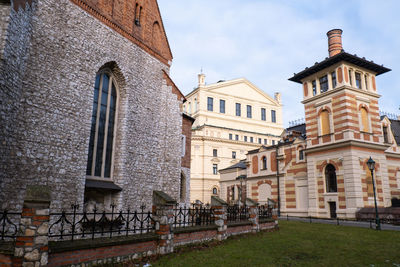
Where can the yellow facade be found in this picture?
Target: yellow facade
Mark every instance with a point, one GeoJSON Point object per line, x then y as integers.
{"type": "Point", "coordinates": [221, 136]}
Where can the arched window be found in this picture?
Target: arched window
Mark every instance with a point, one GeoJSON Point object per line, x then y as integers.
{"type": "Point", "coordinates": [324, 120]}
{"type": "Point", "coordinates": [330, 178]}
{"type": "Point", "coordinates": [364, 120]}
{"type": "Point", "coordinates": [370, 187]}
{"type": "Point", "coordinates": [101, 143]}
{"type": "Point", "coordinates": [215, 191]}
{"type": "Point", "coordinates": [264, 162]}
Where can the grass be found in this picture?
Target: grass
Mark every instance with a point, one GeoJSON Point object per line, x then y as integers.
{"type": "Point", "coordinates": [296, 244]}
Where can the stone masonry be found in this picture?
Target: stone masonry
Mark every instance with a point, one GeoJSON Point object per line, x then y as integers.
{"type": "Point", "coordinates": [52, 53]}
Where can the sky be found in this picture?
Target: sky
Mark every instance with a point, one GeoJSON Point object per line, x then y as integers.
{"type": "Point", "coordinates": [267, 42]}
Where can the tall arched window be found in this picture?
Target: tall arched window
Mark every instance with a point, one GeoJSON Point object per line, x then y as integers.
{"type": "Point", "coordinates": [330, 178]}
{"type": "Point", "coordinates": [325, 125]}
{"type": "Point", "coordinates": [102, 131]}
{"type": "Point", "coordinates": [364, 120]}
{"type": "Point", "coordinates": [264, 162]}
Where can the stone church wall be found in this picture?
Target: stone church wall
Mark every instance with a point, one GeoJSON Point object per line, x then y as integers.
{"type": "Point", "coordinates": [48, 92]}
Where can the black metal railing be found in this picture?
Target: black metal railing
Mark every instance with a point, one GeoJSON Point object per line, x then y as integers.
{"type": "Point", "coordinates": [84, 225]}
{"type": "Point", "coordinates": [236, 213]}
{"type": "Point", "coordinates": [264, 212]}
{"type": "Point", "coordinates": [9, 224]}
{"type": "Point", "coordinates": [195, 216]}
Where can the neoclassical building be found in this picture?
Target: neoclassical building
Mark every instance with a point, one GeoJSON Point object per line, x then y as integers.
{"type": "Point", "coordinates": [231, 117]}
{"type": "Point", "coordinates": [319, 168]}
{"type": "Point", "coordinates": [78, 83]}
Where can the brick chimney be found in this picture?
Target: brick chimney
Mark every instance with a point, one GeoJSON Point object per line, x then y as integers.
{"type": "Point", "coordinates": [334, 42]}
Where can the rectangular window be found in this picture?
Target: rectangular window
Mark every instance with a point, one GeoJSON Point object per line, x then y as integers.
{"type": "Point", "coordinates": [273, 142]}
{"type": "Point", "coordinates": [234, 154]}
{"type": "Point", "coordinates": [358, 80]}
{"type": "Point", "coordinates": [301, 154]}
{"type": "Point", "coordinates": [273, 115]}
{"type": "Point", "coordinates": [238, 109]}
{"type": "Point", "coordinates": [385, 134]}
{"type": "Point", "coordinates": [248, 111]}
{"type": "Point", "coordinates": [210, 104]}
{"type": "Point", "coordinates": [236, 137]}
{"type": "Point", "coordinates": [215, 169]}
{"type": "Point", "coordinates": [215, 153]}
{"type": "Point", "coordinates": [259, 140]}
{"type": "Point", "coordinates": [333, 75]}
{"type": "Point", "coordinates": [323, 83]}
{"type": "Point", "coordinates": [245, 138]}
{"type": "Point", "coordinates": [230, 136]}
{"type": "Point", "coordinates": [366, 81]}
{"type": "Point", "coordinates": [221, 106]}
{"type": "Point", "coordinates": [183, 138]}
{"type": "Point", "coordinates": [265, 142]}
{"type": "Point", "coordinates": [251, 139]}
{"type": "Point", "coordinates": [263, 117]}
{"type": "Point", "coordinates": [314, 87]}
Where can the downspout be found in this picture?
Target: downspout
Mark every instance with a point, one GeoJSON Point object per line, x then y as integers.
{"type": "Point", "coordinates": [277, 179]}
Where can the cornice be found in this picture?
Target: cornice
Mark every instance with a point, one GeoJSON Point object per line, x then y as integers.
{"type": "Point", "coordinates": [381, 147]}
{"type": "Point", "coordinates": [238, 130]}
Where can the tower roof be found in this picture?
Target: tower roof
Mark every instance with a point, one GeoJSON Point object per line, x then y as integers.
{"type": "Point", "coordinates": [342, 56]}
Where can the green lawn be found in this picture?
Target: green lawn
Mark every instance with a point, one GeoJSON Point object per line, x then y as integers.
{"type": "Point", "coordinates": [296, 244]}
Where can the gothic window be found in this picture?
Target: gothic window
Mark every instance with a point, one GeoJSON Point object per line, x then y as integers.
{"type": "Point", "coordinates": [101, 143]}
{"type": "Point", "coordinates": [364, 120]}
{"type": "Point", "coordinates": [324, 121]}
{"type": "Point", "coordinates": [330, 179]}
{"type": "Point", "coordinates": [138, 14]}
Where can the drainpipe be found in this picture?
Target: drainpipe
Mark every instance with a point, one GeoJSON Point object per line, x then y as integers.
{"type": "Point", "coordinates": [277, 179]}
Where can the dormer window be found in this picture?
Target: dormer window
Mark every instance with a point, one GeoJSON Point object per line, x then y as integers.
{"type": "Point", "coordinates": [385, 134]}
{"type": "Point", "coordinates": [358, 80]}
{"type": "Point", "coordinates": [323, 83]}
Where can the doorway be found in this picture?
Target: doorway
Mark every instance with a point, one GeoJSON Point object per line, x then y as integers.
{"type": "Point", "coordinates": [332, 209]}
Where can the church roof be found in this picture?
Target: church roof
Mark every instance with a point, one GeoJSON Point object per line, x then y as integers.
{"type": "Point", "coordinates": [342, 56]}
{"type": "Point", "coordinates": [395, 126]}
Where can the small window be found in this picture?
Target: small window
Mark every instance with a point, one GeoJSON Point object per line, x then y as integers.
{"type": "Point", "coordinates": [358, 80]}
{"type": "Point", "coordinates": [230, 136]}
{"type": "Point", "coordinates": [245, 138]}
{"type": "Point", "coordinates": [265, 142]}
{"type": "Point", "coordinates": [236, 137]}
{"type": "Point", "coordinates": [273, 115]}
{"type": "Point", "coordinates": [233, 192]}
{"type": "Point", "coordinates": [385, 134]}
{"type": "Point", "coordinates": [221, 106]}
{"type": "Point", "coordinates": [215, 191]}
{"type": "Point", "coordinates": [263, 117]}
{"type": "Point", "coordinates": [215, 153]}
{"type": "Point", "coordinates": [314, 87]}
{"type": "Point", "coordinates": [366, 81]}
{"type": "Point", "coordinates": [234, 154]}
{"type": "Point", "coordinates": [238, 109]}
{"type": "Point", "coordinates": [183, 138]}
{"type": "Point", "coordinates": [138, 14]}
{"type": "Point", "coordinates": [301, 154]}
{"type": "Point", "coordinates": [259, 140]}
{"type": "Point", "coordinates": [249, 111]}
{"type": "Point", "coordinates": [264, 162]}
{"type": "Point", "coordinates": [215, 168]}
{"type": "Point", "coordinates": [334, 83]}
{"type": "Point", "coordinates": [251, 139]}
{"type": "Point", "coordinates": [273, 142]}
{"type": "Point", "coordinates": [323, 83]}
{"type": "Point", "coordinates": [210, 104]}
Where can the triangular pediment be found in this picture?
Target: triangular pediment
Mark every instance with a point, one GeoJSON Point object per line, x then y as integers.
{"type": "Point", "coordinates": [242, 88]}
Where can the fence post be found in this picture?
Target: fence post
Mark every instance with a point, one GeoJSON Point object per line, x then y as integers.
{"type": "Point", "coordinates": [220, 216]}
{"type": "Point", "coordinates": [163, 209]}
{"type": "Point", "coordinates": [253, 214]}
{"type": "Point", "coordinates": [31, 246]}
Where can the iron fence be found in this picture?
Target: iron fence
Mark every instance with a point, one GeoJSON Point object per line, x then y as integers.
{"type": "Point", "coordinates": [9, 224]}
{"type": "Point", "coordinates": [264, 212]}
{"type": "Point", "coordinates": [84, 225]}
{"type": "Point", "coordinates": [195, 216]}
{"type": "Point", "coordinates": [236, 213]}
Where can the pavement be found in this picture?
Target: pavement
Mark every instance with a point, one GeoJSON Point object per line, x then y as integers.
{"type": "Point", "coordinates": [371, 225]}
